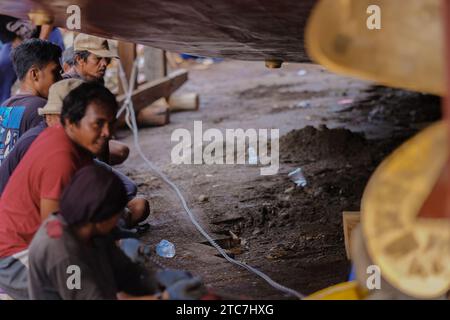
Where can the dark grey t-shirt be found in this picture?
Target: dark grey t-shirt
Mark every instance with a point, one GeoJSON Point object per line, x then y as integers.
{"type": "Point", "coordinates": [56, 255]}
{"type": "Point", "coordinates": [18, 114]}
{"type": "Point", "coordinates": [32, 103]}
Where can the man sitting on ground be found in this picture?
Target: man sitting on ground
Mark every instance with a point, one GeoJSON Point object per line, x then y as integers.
{"type": "Point", "coordinates": [138, 208]}
{"type": "Point", "coordinates": [80, 235]}
{"type": "Point", "coordinates": [36, 63]}
{"type": "Point", "coordinates": [91, 57]}
{"type": "Point", "coordinates": [34, 189]}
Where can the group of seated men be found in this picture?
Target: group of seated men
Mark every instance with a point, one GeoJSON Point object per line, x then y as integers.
{"type": "Point", "coordinates": [62, 205]}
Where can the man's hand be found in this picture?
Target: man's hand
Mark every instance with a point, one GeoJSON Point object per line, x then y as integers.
{"type": "Point", "coordinates": [118, 152]}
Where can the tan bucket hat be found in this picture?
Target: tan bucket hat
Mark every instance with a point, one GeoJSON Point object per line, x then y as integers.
{"type": "Point", "coordinates": [58, 91]}
{"type": "Point", "coordinates": [407, 52]}
{"type": "Point", "coordinates": [95, 45]}
{"type": "Point", "coordinates": [412, 252]}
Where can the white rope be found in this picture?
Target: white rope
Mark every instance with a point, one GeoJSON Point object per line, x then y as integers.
{"type": "Point", "coordinates": [130, 118]}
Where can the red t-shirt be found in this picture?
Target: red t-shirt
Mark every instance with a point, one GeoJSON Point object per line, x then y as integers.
{"type": "Point", "coordinates": [42, 173]}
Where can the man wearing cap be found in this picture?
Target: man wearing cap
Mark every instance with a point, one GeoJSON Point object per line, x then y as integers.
{"type": "Point", "coordinates": [80, 235]}
{"type": "Point", "coordinates": [138, 207]}
{"type": "Point", "coordinates": [34, 189]}
{"type": "Point", "coordinates": [91, 57]}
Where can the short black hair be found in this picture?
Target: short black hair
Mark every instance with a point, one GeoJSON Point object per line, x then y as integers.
{"type": "Point", "coordinates": [76, 102]}
{"type": "Point", "coordinates": [34, 52]}
{"type": "Point", "coordinates": [83, 55]}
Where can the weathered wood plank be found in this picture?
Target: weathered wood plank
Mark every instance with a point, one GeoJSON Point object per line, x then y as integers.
{"type": "Point", "coordinates": [184, 102]}
{"type": "Point", "coordinates": [155, 66]}
{"type": "Point", "coordinates": [156, 114]}
{"type": "Point", "coordinates": [127, 54]}
{"type": "Point", "coordinates": [151, 91]}
{"type": "Point", "coordinates": [244, 30]}
{"type": "Point", "coordinates": [350, 220]}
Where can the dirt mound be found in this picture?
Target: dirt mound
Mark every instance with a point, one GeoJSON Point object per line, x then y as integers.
{"type": "Point", "coordinates": [311, 144]}
{"type": "Point", "coordinates": [303, 225]}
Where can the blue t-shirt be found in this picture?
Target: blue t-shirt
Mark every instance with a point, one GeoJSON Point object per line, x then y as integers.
{"type": "Point", "coordinates": [10, 119]}
{"type": "Point", "coordinates": [18, 114]}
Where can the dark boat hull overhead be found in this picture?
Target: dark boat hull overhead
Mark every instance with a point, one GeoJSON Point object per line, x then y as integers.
{"type": "Point", "coordinates": [238, 29]}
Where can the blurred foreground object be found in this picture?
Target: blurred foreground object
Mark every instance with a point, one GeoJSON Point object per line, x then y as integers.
{"type": "Point", "coordinates": [412, 252]}
{"type": "Point", "coordinates": [408, 242]}
{"type": "Point", "coordinates": [342, 291]}
{"type": "Point", "coordinates": [407, 52]}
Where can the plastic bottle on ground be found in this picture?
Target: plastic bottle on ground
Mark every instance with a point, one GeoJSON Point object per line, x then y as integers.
{"type": "Point", "coordinates": [298, 178]}
{"type": "Point", "coordinates": [165, 249]}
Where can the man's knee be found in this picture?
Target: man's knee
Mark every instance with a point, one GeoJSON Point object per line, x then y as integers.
{"type": "Point", "coordinates": [118, 152]}
{"type": "Point", "coordinates": [139, 210]}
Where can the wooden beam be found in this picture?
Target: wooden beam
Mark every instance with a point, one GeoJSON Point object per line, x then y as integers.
{"type": "Point", "coordinates": [156, 114]}
{"type": "Point", "coordinates": [151, 91]}
{"type": "Point", "coordinates": [127, 54]}
{"type": "Point", "coordinates": [350, 220]}
{"type": "Point", "coordinates": [155, 66]}
{"type": "Point", "coordinates": [184, 102]}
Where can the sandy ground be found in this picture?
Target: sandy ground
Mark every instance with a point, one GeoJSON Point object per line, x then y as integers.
{"type": "Point", "coordinates": [336, 129]}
